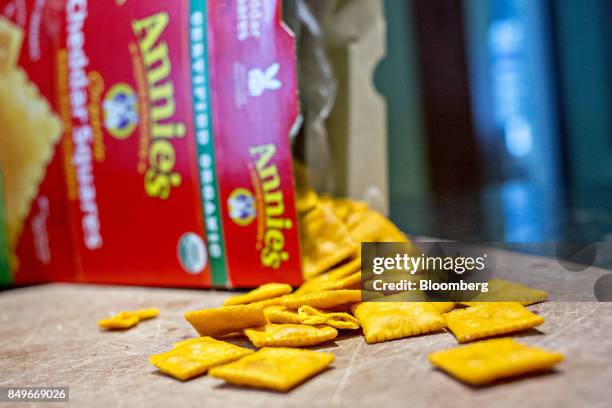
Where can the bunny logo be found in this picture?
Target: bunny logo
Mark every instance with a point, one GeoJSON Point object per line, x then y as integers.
{"type": "Point", "coordinates": [120, 111]}
{"type": "Point", "coordinates": [241, 206]}
{"type": "Point", "coordinates": [259, 80]}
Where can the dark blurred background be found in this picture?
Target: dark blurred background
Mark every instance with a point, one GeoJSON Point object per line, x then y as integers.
{"type": "Point", "coordinates": [499, 118]}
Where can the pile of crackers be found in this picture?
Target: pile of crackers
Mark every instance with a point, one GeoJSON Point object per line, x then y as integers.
{"type": "Point", "coordinates": [281, 323]}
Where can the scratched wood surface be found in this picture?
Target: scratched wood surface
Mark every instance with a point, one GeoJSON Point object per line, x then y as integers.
{"type": "Point", "coordinates": [48, 337]}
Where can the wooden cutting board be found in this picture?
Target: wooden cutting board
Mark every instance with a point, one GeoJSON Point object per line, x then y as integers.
{"type": "Point", "coordinates": [49, 337]}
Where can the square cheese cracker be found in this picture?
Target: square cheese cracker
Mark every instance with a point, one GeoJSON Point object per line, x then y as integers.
{"type": "Point", "coordinates": [382, 321]}
{"type": "Point", "coordinates": [193, 357]}
{"type": "Point", "coordinates": [490, 319]}
{"type": "Point", "coordinates": [486, 361]}
{"type": "Point", "coordinates": [290, 335]}
{"type": "Point", "coordinates": [225, 319]}
{"type": "Point", "coordinates": [278, 369]}
{"type": "Point", "coordinates": [501, 290]}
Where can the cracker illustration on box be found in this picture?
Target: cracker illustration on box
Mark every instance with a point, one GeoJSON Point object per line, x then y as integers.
{"type": "Point", "coordinates": [30, 131]}
{"type": "Point", "coordinates": [11, 38]}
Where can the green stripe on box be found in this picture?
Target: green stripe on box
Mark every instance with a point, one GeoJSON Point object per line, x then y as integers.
{"type": "Point", "coordinates": [209, 186]}
{"type": "Point", "coordinates": [5, 271]}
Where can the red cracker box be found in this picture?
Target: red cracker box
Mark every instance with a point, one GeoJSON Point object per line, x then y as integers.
{"type": "Point", "coordinates": [175, 157]}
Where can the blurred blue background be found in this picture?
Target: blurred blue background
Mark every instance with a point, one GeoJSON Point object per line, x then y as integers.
{"type": "Point", "coordinates": [499, 118]}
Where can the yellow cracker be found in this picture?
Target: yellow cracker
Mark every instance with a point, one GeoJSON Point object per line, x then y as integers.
{"type": "Point", "coordinates": [190, 341]}
{"type": "Point", "coordinates": [264, 292]}
{"type": "Point", "coordinates": [414, 295]}
{"type": "Point", "coordinates": [311, 316]}
{"type": "Point", "coordinates": [486, 361]}
{"type": "Point", "coordinates": [443, 307]}
{"type": "Point", "coordinates": [490, 319]}
{"type": "Point", "coordinates": [305, 200]}
{"type": "Point", "coordinates": [346, 269]}
{"type": "Point", "coordinates": [349, 211]}
{"type": "Point", "coordinates": [382, 321]}
{"type": "Point", "coordinates": [352, 281]}
{"type": "Point", "coordinates": [281, 315]}
{"type": "Point", "coordinates": [11, 38]}
{"type": "Point", "coordinates": [141, 314]}
{"type": "Point", "coordinates": [127, 319]}
{"type": "Point", "coordinates": [342, 270]}
{"type": "Point", "coordinates": [503, 290]}
{"type": "Point", "coordinates": [118, 322]}
{"type": "Point", "coordinates": [29, 133]}
{"type": "Point", "coordinates": [290, 335]}
{"type": "Point", "coordinates": [325, 240]}
{"type": "Point", "coordinates": [352, 213]}
{"type": "Point", "coordinates": [322, 299]}
{"type": "Point", "coordinates": [279, 369]}
{"type": "Point", "coordinates": [225, 319]}
{"type": "Point", "coordinates": [417, 296]}
{"type": "Point", "coordinates": [268, 302]}
{"type": "Point", "coordinates": [346, 308]}
{"type": "Point", "coordinates": [339, 320]}
{"type": "Point", "coordinates": [196, 356]}
{"type": "Point", "coordinates": [372, 226]}
{"type": "Point", "coordinates": [199, 339]}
